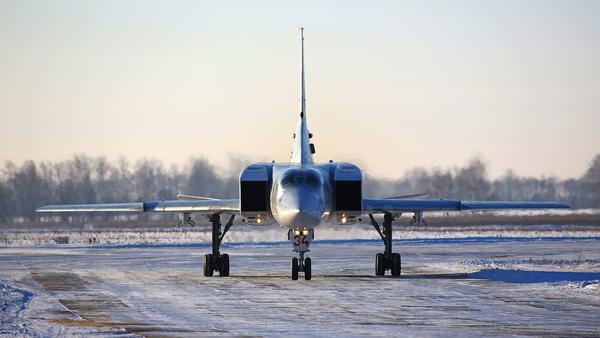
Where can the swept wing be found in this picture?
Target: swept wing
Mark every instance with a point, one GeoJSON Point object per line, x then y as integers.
{"type": "Point", "coordinates": [212, 206]}
{"type": "Point", "coordinates": [380, 205]}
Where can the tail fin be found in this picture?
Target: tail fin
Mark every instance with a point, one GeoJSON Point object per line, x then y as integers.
{"type": "Point", "coordinates": [302, 90]}
{"type": "Point", "coordinates": [302, 149]}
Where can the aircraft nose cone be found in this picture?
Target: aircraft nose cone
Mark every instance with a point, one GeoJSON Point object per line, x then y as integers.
{"type": "Point", "coordinates": [299, 208]}
{"type": "Point", "coordinates": [305, 218]}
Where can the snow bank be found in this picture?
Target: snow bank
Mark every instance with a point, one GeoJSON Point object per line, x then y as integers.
{"type": "Point", "coordinates": [562, 271]}
{"type": "Point", "coordinates": [12, 303]}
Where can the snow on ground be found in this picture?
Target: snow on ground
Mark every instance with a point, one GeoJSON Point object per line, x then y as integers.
{"type": "Point", "coordinates": [19, 318]}
{"type": "Point", "coordinates": [248, 234]}
{"type": "Point", "coordinates": [449, 287]}
{"type": "Point", "coordinates": [12, 303]}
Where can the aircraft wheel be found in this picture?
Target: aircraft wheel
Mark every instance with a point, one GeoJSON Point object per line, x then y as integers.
{"type": "Point", "coordinates": [208, 266]}
{"type": "Point", "coordinates": [307, 269]}
{"type": "Point", "coordinates": [224, 266]}
{"type": "Point", "coordinates": [396, 264]}
{"type": "Point", "coordinates": [379, 264]}
{"type": "Point", "coordinates": [294, 268]}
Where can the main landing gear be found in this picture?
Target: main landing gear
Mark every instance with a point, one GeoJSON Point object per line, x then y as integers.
{"type": "Point", "coordinates": [417, 219]}
{"type": "Point", "coordinates": [217, 261]}
{"type": "Point", "coordinates": [301, 239]}
{"type": "Point", "coordinates": [387, 260]}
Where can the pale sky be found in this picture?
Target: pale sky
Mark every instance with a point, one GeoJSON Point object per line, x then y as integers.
{"type": "Point", "coordinates": [390, 85]}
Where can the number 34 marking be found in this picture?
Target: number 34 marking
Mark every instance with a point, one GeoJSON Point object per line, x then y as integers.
{"type": "Point", "coordinates": [301, 239]}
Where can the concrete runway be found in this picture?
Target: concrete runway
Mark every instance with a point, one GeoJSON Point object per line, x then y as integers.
{"type": "Point", "coordinates": [447, 288]}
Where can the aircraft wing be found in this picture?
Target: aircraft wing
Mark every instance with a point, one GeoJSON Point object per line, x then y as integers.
{"type": "Point", "coordinates": [213, 206]}
{"type": "Point", "coordinates": [380, 205]}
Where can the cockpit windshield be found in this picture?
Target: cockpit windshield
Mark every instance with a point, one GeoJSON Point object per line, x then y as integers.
{"type": "Point", "coordinates": [297, 177]}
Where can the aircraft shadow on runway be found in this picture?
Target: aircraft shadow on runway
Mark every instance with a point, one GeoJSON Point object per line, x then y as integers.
{"type": "Point", "coordinates": [350, 276]}
{"type": "Point", "coordinates": [497, 275]}
{"type": "Point", "coordinates": [528, 276]}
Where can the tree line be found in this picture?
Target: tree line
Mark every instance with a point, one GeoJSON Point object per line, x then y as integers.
{"type": "Point", "coordinates": [471, 182]}
{"type": "Point", "coordinates": [84, 179]}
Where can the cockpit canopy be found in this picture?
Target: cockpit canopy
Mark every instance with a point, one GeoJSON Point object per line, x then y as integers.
{"type": "Point", "coordinates": [295, 177]}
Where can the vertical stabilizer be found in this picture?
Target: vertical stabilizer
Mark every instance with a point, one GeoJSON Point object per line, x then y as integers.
{"type": "Point", "coordinates": [302, 150]}
{"type": "Point", "coordinates": [302, 90]}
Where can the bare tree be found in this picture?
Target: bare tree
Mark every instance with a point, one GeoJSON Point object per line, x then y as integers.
{"type": "Point", "coordinates": [6, 207]}
{"type": "Point", "coordinates": [202, 179]}
{"type": "Point", "coordinates": [29, 190]}
{"type": "Point", "coordinates": [471, 182]}
{"type": "Point", "coordinates": [591, 183]}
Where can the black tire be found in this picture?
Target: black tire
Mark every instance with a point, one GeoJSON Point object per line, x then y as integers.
{"type": "Point", "coordinates": [208, 266]}
{"type": "Point", "coordinates": [379, 264]}
{"type": "Point", "coordinates": [224, 266]}
{"type": "Point", "coordinates": [307, 269]}
{"type": "Point", "coordinates": [294, 268]}
{"type": "Point", "coordinates": [396, 264]}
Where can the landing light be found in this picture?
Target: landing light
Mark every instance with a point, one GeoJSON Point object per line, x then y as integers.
{"type": "Point", "coordinates": [296, 232]}
{"type": "Point", "coordinates": [258, 220]}
{"type": "Point", "coordinates": [305, 232]}
{"type": "Point", "coordinates": [344, 219]}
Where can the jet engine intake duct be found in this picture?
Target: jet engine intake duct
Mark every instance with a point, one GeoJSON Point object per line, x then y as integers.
{"type": "Point", "coordinates": [347, 193]}
{"type": "Point", "coordinates": [254, 196]}
{"type": "Point", "coordinates": [255, 189]}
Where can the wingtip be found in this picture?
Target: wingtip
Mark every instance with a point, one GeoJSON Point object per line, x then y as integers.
{"type": "Point", "coordinates": [44, 208]}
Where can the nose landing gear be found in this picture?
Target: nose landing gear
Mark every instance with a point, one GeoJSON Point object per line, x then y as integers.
{"type": "Point", "coordinates": [301, 264]}
{"type": "Point", "coordinates": [387, 260]}
{"type": "Point", "coordinates": [301, 242]}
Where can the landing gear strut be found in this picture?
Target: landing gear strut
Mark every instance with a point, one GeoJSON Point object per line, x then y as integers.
{"type": "Point", "coordinates": [217, 261]}
{"type": "Point", "coordinates": [387, 260]}
{"type": "Point", "coordinates": [301, 242]}
{"type": "Point", "coordinates": [187, 219]}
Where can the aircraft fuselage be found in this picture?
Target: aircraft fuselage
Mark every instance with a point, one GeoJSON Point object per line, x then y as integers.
{"type": "Point", "coordinates": [301, 196]}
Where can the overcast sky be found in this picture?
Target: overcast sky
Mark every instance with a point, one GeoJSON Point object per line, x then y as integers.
{"type": "Point", "coordinates": [390, 85]}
